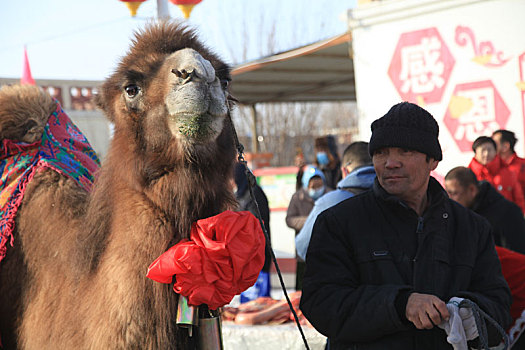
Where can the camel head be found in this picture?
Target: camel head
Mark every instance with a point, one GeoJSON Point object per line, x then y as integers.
{"type": "Point", "coordinates": [24, 110]}
{"type": "Point", "coordinates": [169, 91]}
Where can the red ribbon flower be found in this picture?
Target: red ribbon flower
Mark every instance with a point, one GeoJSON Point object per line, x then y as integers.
{"type": "Point", "coordinates": [223, 258]}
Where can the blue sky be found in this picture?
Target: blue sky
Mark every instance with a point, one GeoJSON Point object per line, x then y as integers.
{"type": "Point", "coordinates": [84, 39]}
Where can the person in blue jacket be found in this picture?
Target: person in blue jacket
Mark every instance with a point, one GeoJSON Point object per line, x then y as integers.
{"type": "Point", "coordinates": [358, 176]}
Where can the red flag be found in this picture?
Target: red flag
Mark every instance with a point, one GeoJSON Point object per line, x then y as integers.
{"type": "Point", "coordinates": [27, 78]}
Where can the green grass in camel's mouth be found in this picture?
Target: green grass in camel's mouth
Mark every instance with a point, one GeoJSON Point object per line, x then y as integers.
{"type": "Point", "coordinates": [197, 126]}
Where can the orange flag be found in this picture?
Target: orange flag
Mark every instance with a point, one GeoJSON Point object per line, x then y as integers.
{"type": "Point", "coordinates": [27, 78]}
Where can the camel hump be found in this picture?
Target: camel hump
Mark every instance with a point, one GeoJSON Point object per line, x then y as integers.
{"type": "Point", "coordinates": [24, 113]}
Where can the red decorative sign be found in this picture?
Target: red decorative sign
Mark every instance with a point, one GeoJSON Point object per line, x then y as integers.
{"type": "Point", "coordinates": [421, 66]}
{"type": "Point", "coordinates": [475, 109]}
{"type": "Point", "coordinates": [484, 53]}
{"type": "Point", "coordinates": [521, 83]}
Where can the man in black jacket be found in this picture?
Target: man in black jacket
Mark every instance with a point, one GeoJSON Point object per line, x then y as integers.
{"type": "Point", "coordinates": [504, 216]}
{"type": "Point", "coordinates": [382, 265]}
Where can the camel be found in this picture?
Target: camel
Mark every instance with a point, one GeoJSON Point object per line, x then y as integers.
{"type": "Point", "coordinates": [75, 275]}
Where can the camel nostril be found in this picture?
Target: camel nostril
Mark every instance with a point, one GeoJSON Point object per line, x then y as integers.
{"type": "Point", "coordinates": [184, 75]}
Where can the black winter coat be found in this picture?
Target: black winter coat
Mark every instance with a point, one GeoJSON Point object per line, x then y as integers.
{"type": "Point", "coordinates": [369, 248]}
{"type": "Point", "coordinates": [505, 217]}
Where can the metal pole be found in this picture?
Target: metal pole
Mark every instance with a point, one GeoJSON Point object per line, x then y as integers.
{"type": "Point", "coordinates": [255, 141]}
{"type": "Point", "coordinates": [162, 9]}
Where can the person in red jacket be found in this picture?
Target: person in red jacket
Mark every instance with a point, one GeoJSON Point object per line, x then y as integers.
{"type": "Point", "coordinates": [487, 165]}
{"type": "Point", "coordinates": [505, 142]}
{"type": "Point", "coordinates": [513, 268]}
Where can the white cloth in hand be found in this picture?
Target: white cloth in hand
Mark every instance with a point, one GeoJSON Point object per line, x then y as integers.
{"type": "Point", "coordinates": [469, 323]}
{"type": "Point", "coordinates": [454, 328]}
{"type": "Point", "coordinates": [461, 325]}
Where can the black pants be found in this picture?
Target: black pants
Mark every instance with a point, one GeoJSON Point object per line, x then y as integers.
{"type": "Point", "coordinates": [299, 273]}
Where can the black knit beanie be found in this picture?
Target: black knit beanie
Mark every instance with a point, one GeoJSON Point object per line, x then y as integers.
{"type": "Point", "coordinates": [409, 126]}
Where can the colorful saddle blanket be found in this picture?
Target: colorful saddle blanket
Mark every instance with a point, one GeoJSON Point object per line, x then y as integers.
{"type": "Point", "coordinates": [62, 148]}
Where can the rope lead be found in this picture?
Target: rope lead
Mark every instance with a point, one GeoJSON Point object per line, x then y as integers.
{"type": "Point", "coordinates": [481, 325]}
{"type": "Point", "coordinates": [252, 181]}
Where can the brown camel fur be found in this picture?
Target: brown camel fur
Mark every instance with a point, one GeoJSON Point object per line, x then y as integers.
{"type": "Point", "coordinates": [75, 277]}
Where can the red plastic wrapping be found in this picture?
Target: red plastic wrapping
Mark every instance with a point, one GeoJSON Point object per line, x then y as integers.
{"type": "Point", "coordinates": [513, 268]}
{"type": "Point", "coordinates": [223, 258]}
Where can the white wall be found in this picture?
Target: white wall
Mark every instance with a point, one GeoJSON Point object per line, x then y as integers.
{"type": "Point", "coordinates": [468, 29]}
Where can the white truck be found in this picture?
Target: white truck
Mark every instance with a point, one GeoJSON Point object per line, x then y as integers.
{"type": "Point", "coordinates": [462, 60]}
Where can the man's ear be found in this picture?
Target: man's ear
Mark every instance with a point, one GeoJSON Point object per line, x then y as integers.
{"type": "Point", "coordinates": [473, 190]}
{"type": "Point", "coordinates": [344, 171]}
{"type": "Point", "coordinates": [433, 164]}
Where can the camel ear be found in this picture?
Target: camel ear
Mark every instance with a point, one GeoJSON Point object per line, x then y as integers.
{"type": "Point", "coordinates": [99, 100]}
{"type": "Point", "coordinates": [102, 103]}
{"type": "Point", "coordinates": [33, 131]}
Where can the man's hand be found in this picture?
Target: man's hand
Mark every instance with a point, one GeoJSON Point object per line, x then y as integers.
{"type": "Point", "coordinates": [426, 311]}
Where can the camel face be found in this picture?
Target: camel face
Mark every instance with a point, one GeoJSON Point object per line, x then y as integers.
{"type": "Point", "coordinates": [169, 94]}
{"type": "Point", "coordinates": [195, 101]}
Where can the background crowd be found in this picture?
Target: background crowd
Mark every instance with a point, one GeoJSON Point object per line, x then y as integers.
{"type": "Point", "coordinates": [492, 185]}
{"type": "Point", "coordinates": [392, 262]}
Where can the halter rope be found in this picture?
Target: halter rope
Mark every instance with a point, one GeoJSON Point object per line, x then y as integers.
{"type": "Point", "coordinates": [251, 184]}
{"type": "Point", "coordinates": [482, 327]}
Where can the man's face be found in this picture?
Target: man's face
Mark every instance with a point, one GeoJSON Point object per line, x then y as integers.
{"type": "Point", "coordinates": [463, 195]}
{"type": "Point", "coordinates": [403, 173]}
{"type": "Point", "coordinates": [502, 146]}
{"type": "Point", "coordinates": [485, 153]}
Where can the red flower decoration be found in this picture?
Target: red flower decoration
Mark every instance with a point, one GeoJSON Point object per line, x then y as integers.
{"type": "Point", "coordinates": [223, 258]}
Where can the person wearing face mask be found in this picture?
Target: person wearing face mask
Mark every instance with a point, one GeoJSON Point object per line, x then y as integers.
{"type": "Point", "coordinates": [488, 166]}
{"type": "Point", "coordinates": [358, 176]}
{"type": "Point", "coordinates": [327, 160]}
{"type": "Point", "coordinates": [301, 203]}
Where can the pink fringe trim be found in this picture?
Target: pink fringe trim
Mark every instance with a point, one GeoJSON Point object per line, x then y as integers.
{"type": "Point", "coordinates": [11, 147]}
{"type": "Point", "coordinates": [9, 218]}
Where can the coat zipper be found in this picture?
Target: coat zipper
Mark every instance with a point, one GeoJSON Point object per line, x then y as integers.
{"type": "Point", "coordinates": [419, 231]}
{"type": "Point", "coordinates": [419, 225]}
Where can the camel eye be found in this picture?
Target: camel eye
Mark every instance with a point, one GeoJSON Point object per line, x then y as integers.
{"type": "Point", "coordinates": [132, 90]}
{"type": "Point", "coordinates": [225, 83]}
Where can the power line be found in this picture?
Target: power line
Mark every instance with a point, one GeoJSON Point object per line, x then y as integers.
{"type": "Point", "coordinates": [70, 33]}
